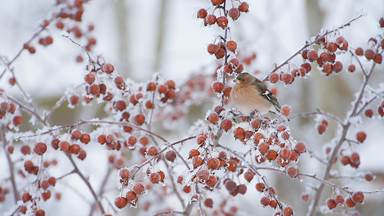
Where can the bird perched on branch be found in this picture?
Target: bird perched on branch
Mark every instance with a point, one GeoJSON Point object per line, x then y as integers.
{"type": "Point", "coordinates": [251, 94]}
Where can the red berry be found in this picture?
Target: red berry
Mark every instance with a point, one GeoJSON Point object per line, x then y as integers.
{"type": "Point", "coordinates": [226, 125]}
{"type": "Point", "coordinates": [213, 118]}
{"type": "Point", "coordinates": [292, 172]}
{"type": "Point", "coordinates": [234, 13]}
{"type": "Point", "coordinates": [331, 203]}
{"type": "Point", "coordinates": [208, 203]}
{"type": "Point", "coordinates": [244, 7]}
{"type": "Point", "coordinates": [231, 45]}
{"type": "Point", "coordinates": [285, 110]}
{"type": "Point", "coordinates": [358, 197]}
{"type": "Point", "coordinates": [108, 68]}
{"type": "Point", "coordinates": [351, 68]}
{"type": "Point", "coordinates": [40, 148]}
{"type": "Point", "coordinates": [121, 202]}
{"type": "Point", "coordinates": [359, 51]}
{"type": "Point", "coordinates": [139, 119]}
{"type": "Point", "coordinates": [202, 13]}
{"type": "Point", "coordinates": [222, 21]}
{"type": "Point", "coordinates": [300, 148]}
{"type": "Point", "coordinates": [361, 136]}
{"type": "Point", "coordinates": [170, 155]}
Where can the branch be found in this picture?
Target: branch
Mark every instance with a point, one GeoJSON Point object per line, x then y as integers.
{"type": "Point", "coordinates": [10, 166]}
{"type": "Point", "coordinates": [308, 44]}
{"type": "Point", "coordinates": [344, 131]}
{"type": "Point", "coordinates": [85, 180]}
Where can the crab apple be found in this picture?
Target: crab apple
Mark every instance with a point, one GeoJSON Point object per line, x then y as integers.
{"type": "Point", "coordinates": [212, 48]}
{"type": "Point", "coordinates": [288, 211]}
{"type": "Point", "coordinates": [369, 177]}
{"type": "Point", "coordinates": [26, 197]}
{"type": "Point", "coordinates": [39, 212]}
{"type": "Point", "coordinates": [369, 54]}
{"type": "Point", "coordinates": [85, 138]}
{"type": "Point", "coordinates": [361, 136]}
{"type": "Point", "coordinates": [139, 119]}
{"type": "Point", "coordinates": [312, 55]}
{"type": "Point", "coordinates": [107, 68]}
{"type": "Point", "coordinates": [293, 172]}
{"type": "Point", "coordinates": [226, 125]}
{"type": "Point", "coordinates": [338, 66]}
{"type": "Point", "coordinates": [218, 87]}
{"type": "Point", "coordinates": [212, 181]}
{"type": "Point", "coordinates": [244, 7]}
{"type": "Point", "coordinates": [202, 13]}
{"type": "Point", "coordinates": [121, 202]}
{"type": "Point", "coordinates": [234, 13]}
{"type": "Point", "coordinates": [260, 187]}
{"type": "Point", "coordinates": [231, 45]}
{"type": "Point", "coordinates": [193, 153]}
{"type": "Point", "coordinates": [154, 178]}
{"type": "Point", "coordinates": [242, 189]}
{"type": "Point", "coordinates": [208, 203]}
{"type": "Point", "coordinates": [187, 189]}
{"type": "Point", "coordinates": [230, 186]}
{"type": "Point", "coordinates": [351, 68]}
{"type": "Point", "coordinates": [25, 150]}
{"type": "Point", "coordinates": [138, 188]}
{"type": "Point", "coordinates": [274, 77]}
{"type": "Point", "coordinates": [131, 196]}
{"type": "Point", "coordinates": [339, 199]}
{"type": "Point", "coordinates": [378, 58]}
{"type": "Point", "coordinates": [90, 78]}
{"type": "Point", "coordinates": [285, 110]}
{"type": "Point", "coordinates": [248, 175]}
{"type": "Point", "coordinates": [213, 118]}
{"type": "Point", "coordinates": [331, 203]}
{"type": "Point", "coordinates": [82, 154]}
{"type": "Point", "coordinates": [300, 148]}
{"type": "Point", "coordinates": [40, 148]}
{"type": "Point", "coordinates": [153, 151]}
{"type": "Point", "coordinates": [170, 155]}
{"type": "Point", "coordinates": [321, 128]}
{"type": "Point", "coordinates": [239, 133]}
{"type": "Point", "coordinates": [222, 21]}
{"type": "Point", "coordinates": [124, 173]}
{"type": "Point", "coordinates": [271, 155]}
{"type": "Point", "coordinates": [210, 19]}
{"type": "Point", "coordinates": [213, 163]}
{"type": "Point", "coordinates": [358, 197]}
{"type": "Point", "coordinates": [265, 201]}
{"type": "Point", "coordinates": [201, 139]}
{"type": "Point", "coordinates": [74, 149]}
{"type": "Point", "coordinates": [349, 203]}
{"type": "Point", "coordinates": [345, 160]}
{"type": "Point", "coordinates": [220, 53]}
{"type": "Point", "coordinates": [331, 47]}
{"type": "Point", "coordinates": [263, 148]}
{"type": "Point", "coordinates": [359, 51]}
{"type": "Point", "coordinates": [381, 22]}
{"type": "Point", "coordinates": [151, 86]}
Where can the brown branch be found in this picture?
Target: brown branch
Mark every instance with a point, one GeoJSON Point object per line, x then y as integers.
{"type": "Point", "coordinates": [10, 165]}
{"type": "Point", "coordinates": [308, 44]}
{"type": "Point", "coordinates": [85, 180]}
{"type": "Point", "coordinates": [344, 131]}
{"type": "Point", "coordinates": [33, 37]}
{"type": "Point", "coordinates": [102, 188]}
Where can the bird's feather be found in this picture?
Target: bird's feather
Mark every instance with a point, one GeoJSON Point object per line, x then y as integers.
{"type": "Point", "coordinates": [266, 93]}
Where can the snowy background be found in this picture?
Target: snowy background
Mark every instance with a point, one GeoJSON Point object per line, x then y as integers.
{"type": "Point", "coordinates": [144, 37]}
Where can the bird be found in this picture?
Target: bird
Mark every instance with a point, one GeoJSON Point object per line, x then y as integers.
{"type": "Point", "coordinates": [250, 95]}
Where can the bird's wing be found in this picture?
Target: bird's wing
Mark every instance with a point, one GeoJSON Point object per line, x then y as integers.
{"type": "Point", "coordinates": [266, 93]}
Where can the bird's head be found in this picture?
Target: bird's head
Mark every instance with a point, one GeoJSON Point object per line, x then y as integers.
{"type": "Point", "coordinates": [245, 78]}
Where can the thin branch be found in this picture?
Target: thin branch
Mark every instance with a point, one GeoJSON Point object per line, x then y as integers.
{"type": "Point", "coordinates": [85, 180]}
{"type": "Point", "coordinates": [10, 165]}
{"type": "Point", "coordinates": [344, 131]}
{"type": "Point", "coordinates": [308, 44]}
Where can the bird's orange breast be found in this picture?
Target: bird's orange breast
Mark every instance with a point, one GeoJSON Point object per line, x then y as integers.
{"type": "Point", "coordinates": [246, 98]}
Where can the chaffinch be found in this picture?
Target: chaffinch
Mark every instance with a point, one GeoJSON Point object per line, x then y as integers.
{"type": "Point", "coordinates": [251, 94]}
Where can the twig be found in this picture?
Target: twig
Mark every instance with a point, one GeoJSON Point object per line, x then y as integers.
{"type": "Point", "coordinates": [10, 166]}
{"type": "Point", "coordinates": [308, 44]}
{"type": "Point", "coordinates": [85, 180]}
{"type": "Point", "coordinates": [344, 130]}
